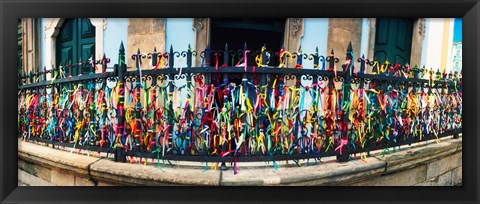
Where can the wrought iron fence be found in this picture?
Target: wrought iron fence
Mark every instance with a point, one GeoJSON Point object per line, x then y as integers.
{"type": "Point", "coordinates": [234, 111]}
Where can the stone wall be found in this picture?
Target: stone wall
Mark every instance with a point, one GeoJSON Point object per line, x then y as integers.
{"type": "Point", "coordinates": [421, 164]}
{"type": "Point", "coordinates": [341, 31]}
{"type": "Point", "coordinates": [144, 33]}
{"type": "Point", "coordinates": [30, 45]}
{"type": "Point", "coordinates": [418, 36]}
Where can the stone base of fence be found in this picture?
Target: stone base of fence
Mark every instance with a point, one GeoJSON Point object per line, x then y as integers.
{"type": "Point", "coordinates": [425, 163]}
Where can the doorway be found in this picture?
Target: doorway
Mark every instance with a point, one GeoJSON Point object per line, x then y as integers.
{"type": "Point", "coordinates": [254, 32]}
{"type": "Point", "coordinates": [393, 40]}
{"type": "Point", "coordinates": [75, 41]}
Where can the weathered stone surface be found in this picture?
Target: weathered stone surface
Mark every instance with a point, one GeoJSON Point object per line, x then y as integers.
{"type": "Point", "coordinates": [158, 24]}
{"type": "Point", "coordinates": [441, 180]}
{"type": "Point", "coordinates": [140, 25]}
{"type": "Point", "coordinates": [202, 36]}
{"type": "Point", "coordinates": [407, 177]}
{"type": "Point", "coordinates": [457, 176]}
{"type": "Point", "coordinates": [62, 178]}
{"type": "Point", "coordinates": [409, 157]}
{"type": "Point", "coordinates": [100, 183]}
{"type": "Point", "coordinates": [43, 173]}
{"type": "Point", "coordinates": [79, 181]}
{"type": "Point", "coordinates": [325, 173]}
{"type": "Point", "coordinates": [144, 34]}
{"type": "Point", "coordinates": [55, 159]}
{"type": "Point", "coordinates": [294, 28]}
{"type": "Point", "coordinates": [443, 165]}
{"type": "Point", "coordinates": [128, 174]}
{"type": "Point", "coordinates": [341, 31]}
{"type": "Point", "coordinates": [35, 170]}
{"type": "Point", "coordinates": [24, 166]}
{"type": "Point", "coordinates": [418, 36]}
{"type": "Point", "coordinates": [28, 179]}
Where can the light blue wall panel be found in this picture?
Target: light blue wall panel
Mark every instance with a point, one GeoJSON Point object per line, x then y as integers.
{"type": "Point", "coordinates": [179, 34]}
{"type": "Point", "coordinates": [315, 34]}
{"type": "Point", "coordinates": [115, 32]}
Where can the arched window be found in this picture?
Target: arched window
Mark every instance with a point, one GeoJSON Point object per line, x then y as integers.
{"type": "Point", "coordinates": [75, 42]}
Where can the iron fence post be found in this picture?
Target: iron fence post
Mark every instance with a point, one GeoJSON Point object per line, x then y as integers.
{"type": "Point", "coordinates": [362, 61]}
{"type": "Point", "coordinates": [264, 55]}
{"type": "Point", "coordinates": [316, 58]}
{"type": "Point", "coordinates": [299, 58]}
{"type": "Point", "coordinates": [171, 57]}
{"type": "Point", "coordinates": [171, 89]}
{"type": "Point", "coordinates": [30, 77]}
{"type": "Point", "coordinates": [348, 69]}
{"type": "Point", "coordinates": [154, 57]}
{"type": "Point", "coordinates": [225, 55]}
{"type": "Point", "coordinates": [224, 167]}
{"type": "Point", "coordinates": [104, 62]}
{"type": "Point", "coordinates": [52, 71]}
{"type": "Point", "coordinates": [120, 155]}
{"type": "Point", "coordinates": [189, 56]}
{"type": "Point", "coordinates": [207, 53]}
{"type": "Point", "coordinates": [331, 61]}
{"type": "Point", "coordinates": [138, 107]}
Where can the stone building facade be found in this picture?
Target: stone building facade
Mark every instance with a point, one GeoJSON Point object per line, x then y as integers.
{"type": "Point", "coordinates": [423, 41]}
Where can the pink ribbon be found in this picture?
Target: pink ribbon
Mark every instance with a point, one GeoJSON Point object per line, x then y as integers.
{"type": "Point", "coordinates": [245, 59]}
{"type": "Point", "coordinates": [343, 142]}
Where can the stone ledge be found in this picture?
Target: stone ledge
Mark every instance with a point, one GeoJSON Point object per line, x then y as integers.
{"type": "Point", "coordinates": [55, 159]}
{"type": "Point", "coordinates": [103, 171]}
{"type": "Point", "coordinates": [327, 172]}
{"type": "Point", "coordinates": [421, 153]}
{"type": "Point", "coordinates": [134, 174]}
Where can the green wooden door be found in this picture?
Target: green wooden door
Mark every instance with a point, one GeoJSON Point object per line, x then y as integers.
{"type": "Point", "coordinates": [75, 41]}
{"type": "Point", "coordinates": [393, 40]}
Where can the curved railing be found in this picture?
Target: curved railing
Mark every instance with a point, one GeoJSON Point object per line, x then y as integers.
{"type": "Point", "coordinates": [229, 112]}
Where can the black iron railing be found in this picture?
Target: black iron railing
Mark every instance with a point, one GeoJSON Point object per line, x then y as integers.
{"type": "Point", "coordinates": [235, 111]}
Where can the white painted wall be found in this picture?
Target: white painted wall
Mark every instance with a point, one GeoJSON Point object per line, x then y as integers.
{"type": "Point", "coordinates": [364, 39]}
{"type": "Point", "coordinates": [423, 60]}
{"type": "Point", "coordinates": [450, 45]}
{"type": "Point", "coordinates": [433, 43]}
